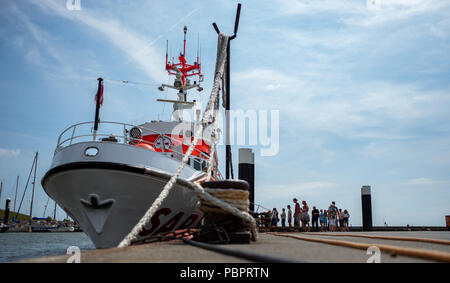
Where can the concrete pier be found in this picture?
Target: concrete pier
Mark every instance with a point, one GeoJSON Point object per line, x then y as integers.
{"type": "Point", "coordinates": [268, 244]}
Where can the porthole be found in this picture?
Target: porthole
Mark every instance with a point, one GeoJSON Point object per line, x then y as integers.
{"type": "Point", "coordinates": [91, 152]}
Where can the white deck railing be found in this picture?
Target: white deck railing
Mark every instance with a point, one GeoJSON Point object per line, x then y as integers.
{"type": "Point", "coordinates": [83, 132]}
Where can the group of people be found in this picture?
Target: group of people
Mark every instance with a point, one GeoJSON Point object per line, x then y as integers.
{"type": "Point", "coordinates": [332, 219]}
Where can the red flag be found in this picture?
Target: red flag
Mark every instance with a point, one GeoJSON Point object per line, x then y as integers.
{"type": "Point", "coordinates": [101, 96]}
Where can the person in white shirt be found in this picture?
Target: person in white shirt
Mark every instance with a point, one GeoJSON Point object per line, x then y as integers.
{"type": "Point", "coordinates": [289, 216]}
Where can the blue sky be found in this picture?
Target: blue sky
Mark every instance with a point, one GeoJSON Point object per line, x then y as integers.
{"type": "Point", "coordinates": [362, 88]}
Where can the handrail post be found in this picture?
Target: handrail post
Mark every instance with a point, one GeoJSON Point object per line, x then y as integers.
{"type": "Point", "coordinates": [125, 139]}
{"type": "Point", "coordinates": [73, 134]}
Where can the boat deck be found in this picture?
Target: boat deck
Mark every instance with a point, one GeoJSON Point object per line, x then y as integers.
{"type": "Point", "coordinates": [280, 245]}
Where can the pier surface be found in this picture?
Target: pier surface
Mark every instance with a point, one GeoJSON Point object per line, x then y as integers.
{"type": "Point", "coordinates": [270, 244]}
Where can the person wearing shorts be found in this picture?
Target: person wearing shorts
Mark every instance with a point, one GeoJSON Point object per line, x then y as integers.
{"type": "Point", "coordinates": [332, 216]}
{"type": "Point", "coordinates": [305, 216]}
{"type": "Point", "coordinates": [346, 217]}
{"type": "Point", "coordinates": [325, 221]}
{"type": "Point", "coordinates": [341, 220]}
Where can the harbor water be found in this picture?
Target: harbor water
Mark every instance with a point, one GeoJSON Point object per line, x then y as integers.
{"type": "Point", "coordinates": [19, 246]}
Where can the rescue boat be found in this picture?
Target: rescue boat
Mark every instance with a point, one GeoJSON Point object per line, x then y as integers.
{"type": "Point", "coordinates": [106, 182]}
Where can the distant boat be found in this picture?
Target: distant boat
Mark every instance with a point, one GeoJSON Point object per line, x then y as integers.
{"type": "Point", "coordinates": [42, 228]}
{"type": "Point", "coordinates": [63, 227]}
{"type": "Point", "coordinates": [3, 228]}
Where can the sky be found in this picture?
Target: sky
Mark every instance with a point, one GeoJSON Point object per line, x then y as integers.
{"type": "Point", "coordinates": [362, 89]}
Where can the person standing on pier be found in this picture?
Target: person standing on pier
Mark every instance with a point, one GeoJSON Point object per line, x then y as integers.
{"type": "Point", "coordinates": [283, 218]}
{"type": "Point", "coordinates": [315, 219]}
{"type": "Point", "coordinates": [341, 220]}
{"type": "Point", "coordinates": [321, 219]}
{"type": "Point", "coordinates": [297, 213]}
{"type": "Point", "coordinates": [325, 221]}
{"type": "Point", "coordinates": [289, 216]}
{"type": "Point", "coordinates": [332, 216]}
{"type": "Point", "coordinates": [274, 217]}
{"type": "Point", "coordinates": [305, 216]}
{"type": "Point", "coordinates": [346, 217]}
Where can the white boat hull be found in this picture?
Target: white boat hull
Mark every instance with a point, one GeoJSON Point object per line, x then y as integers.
{"type": "Point", "coordinates": [108, 203]}
{"type": "Point", "coordinates": [107, 197]}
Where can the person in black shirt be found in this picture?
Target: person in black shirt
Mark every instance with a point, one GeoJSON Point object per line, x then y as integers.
{"type": "Point", "coordinates": [315, 219]}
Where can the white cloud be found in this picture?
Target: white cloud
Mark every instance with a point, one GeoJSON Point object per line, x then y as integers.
{"type": "Point", "coordinates": [352, 109]}
{"type": "Point", "coordinates": [135, 46]}
{"type": "Point", "coordinates": [368, 13]}
{"type": "Point", "coordinates": [9, 152]}
{"type": "Point", "coordinates": [309, 7]}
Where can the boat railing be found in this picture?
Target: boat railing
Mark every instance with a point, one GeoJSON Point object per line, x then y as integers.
{"type": "Point", "coordinates": [78, 133]}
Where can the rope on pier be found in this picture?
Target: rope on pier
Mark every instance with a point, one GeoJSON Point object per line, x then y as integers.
{"type": "Point", "coordinates": [207, 115]}
{"type": "Point", "coordinates": [394, 238]}
{"type": "Point", "coordinates": [412, 252]}
{"type": "Point", "coordinates": [240, 253]}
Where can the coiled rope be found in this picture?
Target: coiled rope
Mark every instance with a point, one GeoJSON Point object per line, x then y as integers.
{"type": "Point", "coordinates": [236, 198]}
{"type": "Point", "coordinates": [201, 193]}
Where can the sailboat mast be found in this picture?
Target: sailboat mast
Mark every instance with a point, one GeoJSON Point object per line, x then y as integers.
{"type": "Point", "coordinates": [34, 182]}
{"type": "Point", "coordinates": [15, 197]}
{"type": "Point", "coordinates": [54, 213]}
{"type": "Point", "coordinates": [45, 208]}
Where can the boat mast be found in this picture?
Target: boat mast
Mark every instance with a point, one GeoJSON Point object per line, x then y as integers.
{"type": "Point", "coordinates": [45, 207]}
{"type": "Point", "coordinates": [182, 71]}
{"type": "Point", "coordinates": [33, 183]}
{"type": "Point", "coordinates": [15, 197]}
{"type": "Point", "coordinates": [54, 213]}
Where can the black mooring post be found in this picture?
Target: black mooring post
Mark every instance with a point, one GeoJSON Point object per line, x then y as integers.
{"type": "Point", "coordinates": [227, 114]}
{"type": "Point", "coordinates": [366, 200]}
{"type": "Point", "coordinates": [228, 157]}
{"type": "Point", "coordinates": [7, 208]}
{"type": "Point", "coordinates": [97, 107]}
{"type": "Point", "coordinates": [247, 172]}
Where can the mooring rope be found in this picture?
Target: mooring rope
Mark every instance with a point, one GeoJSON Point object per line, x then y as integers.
{"type": "Point", "coordinates": [220, 64]}
{"type": "Point", "coordinates": [411, 252]}
{"type": "Point", "coordinates": [255, 257]}
{"type": "Point", "coordinates": [205, 196]}
{"type": "Point", "coordinates": [394, 238]}
{"type": "Point", "coordinates": [236, 198]}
